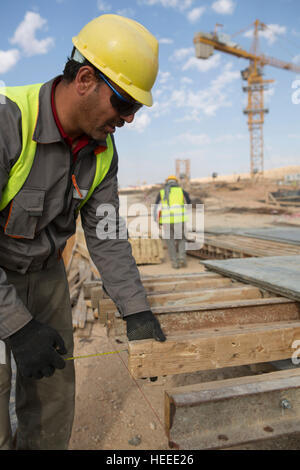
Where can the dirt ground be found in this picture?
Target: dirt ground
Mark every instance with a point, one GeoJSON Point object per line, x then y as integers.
{"type": "Point", "coordinates": [116, 412]}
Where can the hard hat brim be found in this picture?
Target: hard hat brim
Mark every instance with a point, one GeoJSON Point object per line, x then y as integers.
{"type": "Point", "coordinates": [142, 96]}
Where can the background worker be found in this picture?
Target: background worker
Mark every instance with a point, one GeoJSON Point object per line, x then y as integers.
{"type": "Point", "coordinates": [172, 217]}
{"type": "Point", "coordinates": [58, 157]}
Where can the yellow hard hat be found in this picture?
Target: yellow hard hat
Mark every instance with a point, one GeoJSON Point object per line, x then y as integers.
{"type": "Point", "coordinates": [172, 177]}
{"type": "Point", "coordinates": [124, 50]}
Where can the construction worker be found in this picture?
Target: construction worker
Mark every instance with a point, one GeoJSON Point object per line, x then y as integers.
{"type": "Point", "coordinates": [172, 217]}
{"type": "Point", "coordinates": [58, 157]}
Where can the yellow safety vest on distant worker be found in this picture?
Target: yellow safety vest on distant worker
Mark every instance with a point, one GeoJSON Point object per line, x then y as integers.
{"type": "Point", "coordinates": [174, 212]}
{"type": "Point", "coordinates": [27, 99]}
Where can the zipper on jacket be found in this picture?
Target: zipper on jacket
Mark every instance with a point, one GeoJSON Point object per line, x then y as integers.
{"type": "Point", "coordinates": [71, 178]}
{"type": "Point", "coordinates": [65, 206]}
{"type": "Point", "coordinates": [69, 184]}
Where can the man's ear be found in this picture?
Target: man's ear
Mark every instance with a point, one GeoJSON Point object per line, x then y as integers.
{"type": "Point", "coordinates": [85, 80]}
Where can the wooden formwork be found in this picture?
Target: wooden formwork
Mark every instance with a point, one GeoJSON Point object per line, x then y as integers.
{"type": "Point", "coordinates": [225, 246]}
{"type": "Point", "coordinates": [213, 322]}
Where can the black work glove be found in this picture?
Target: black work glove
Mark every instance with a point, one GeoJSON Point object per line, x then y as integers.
{"type": "Point", "coordinates": [36, 348]}
{"type": "Point", "coordinates": [143, 325]}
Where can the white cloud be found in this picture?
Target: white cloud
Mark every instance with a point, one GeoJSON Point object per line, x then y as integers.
{"type": "Point", "coordinates": [25, 35]}
{"type": "Point", "coordinates": [227, 76]}
{"type": "Point", "coordinates": [128, 12]}
{"type": "Point", "coordinates": [182, 53]}
{"type": "Point", "coordinates": [295, 33]}
{"type": "Point", "coordinates": [165, 41]}
{"type": "Point", "coordinates": [164, 77]}
{"type": "Point", "coordinates": [103, 6]}
{"type": "Point", "coordinates": [205, 139]}
{"type": "Point", "coordinates": [191, 116]}
{"type": "Point", "coordinates": [186, 80]}
{"type": "Point", "coordinates": [224, 7]}
{"type": "Point", "coordinates": [178, 98]}
{"type": "Point", "coordinates": [202, 65]}
{"type": "Point", "coordinates": [296, 59]}
{"type": "Point", "coordinates": [268, 94]}
{"type": "Point", "coordinates": [194, 139]}
{"type": "Point", "coordinates": [227, 138]}
{"type": "Point", "coordinates": [8, 59]}
{"type": "Point", "coordinates": [195, 14]}
{"type": "Point", "coordinates": [293, 136]}
{"type": "Point", "coordinates": [141, 121]}
{"type": "Point", "coordinates": [160, 108]}
{"type": "Point", "coordinates": [178, 4]}
{"type": "Point", "coordinates": [210, 99]}
{"type": "Point", "coordinates": [192, 62]}
{"type": "Point", "coordinates": [270, 33]}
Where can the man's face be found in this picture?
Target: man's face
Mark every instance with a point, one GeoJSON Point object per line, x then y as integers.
{"type": "Point", "coordinates": [97, 117]}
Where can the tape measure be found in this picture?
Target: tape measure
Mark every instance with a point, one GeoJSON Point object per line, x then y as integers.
{"type": "Point", "coordinates": [95, 355]}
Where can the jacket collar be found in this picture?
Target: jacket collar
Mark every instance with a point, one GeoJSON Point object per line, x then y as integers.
{"type": "Point", "coordinates": [46, 130]}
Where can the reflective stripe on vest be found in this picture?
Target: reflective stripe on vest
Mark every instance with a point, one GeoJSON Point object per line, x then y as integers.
{"type": "Point", "coordinates": [27, 99]}
{"type": "Point", "coordinates": [175, 212]}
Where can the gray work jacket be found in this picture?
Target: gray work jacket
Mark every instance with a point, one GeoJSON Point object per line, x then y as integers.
{"type": "Point", "coordinates": [35, 228]}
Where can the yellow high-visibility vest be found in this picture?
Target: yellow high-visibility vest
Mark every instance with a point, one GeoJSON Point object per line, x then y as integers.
{"type": "Point", "coordinates": [174, 212]}
{"type": "Point", "coordinates": [27, 99]}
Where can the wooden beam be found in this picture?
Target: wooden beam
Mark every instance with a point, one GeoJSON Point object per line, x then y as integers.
{"type": "Point", "coordinates": [161, 278]}
{"type": "Point", "coordinates": [186, 285]}
{"type": "Point", "coordinates": [180, 277]}
{"type": "Point", "coordinates": [227, 413]}
{"type": "Point", "coordinates": [213, 348]}
{"type": "Point", "coordinates": [192, 297]}
{"type": "Point", "coordinates": [216, 315]}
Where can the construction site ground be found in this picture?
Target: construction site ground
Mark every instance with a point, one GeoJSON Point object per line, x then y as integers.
{"type": "Point", "coordinates": [116, 412]}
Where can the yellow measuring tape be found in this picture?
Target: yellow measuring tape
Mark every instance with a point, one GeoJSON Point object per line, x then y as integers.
{"type": "Point", "coordinates": [94, 355]}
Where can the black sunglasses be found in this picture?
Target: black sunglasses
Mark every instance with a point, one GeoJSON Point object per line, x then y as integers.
{"type": "Point", "coordinates": [124, 106]}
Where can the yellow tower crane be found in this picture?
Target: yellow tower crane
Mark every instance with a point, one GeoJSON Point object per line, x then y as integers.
{"type": "Point", "coordinates": [205, 43]}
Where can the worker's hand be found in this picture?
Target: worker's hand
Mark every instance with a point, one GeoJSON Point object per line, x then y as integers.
{"type": "Point", "coordinates": [37, 349]}
{"type": "Point", "coordinates": [144, 325]}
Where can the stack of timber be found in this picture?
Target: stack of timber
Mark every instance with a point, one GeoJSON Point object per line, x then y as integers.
{"type": "Point", "coordinates": [213, 322]}
{"type": "Point", "coordinates": [147, 250]}
{"type": "Point", "coordinates": [284, 198]}
{"type": "Point", "coordinates": [81, 271]}
{"type": "Point", "coordinates": [225, 246]}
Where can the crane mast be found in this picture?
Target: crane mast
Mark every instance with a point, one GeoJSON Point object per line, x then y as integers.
{"type": "Point", "coordinates": [206, 43]}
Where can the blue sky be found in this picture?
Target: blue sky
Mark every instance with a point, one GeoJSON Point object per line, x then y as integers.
{"type": "Point", "coordinates": [198, 105]}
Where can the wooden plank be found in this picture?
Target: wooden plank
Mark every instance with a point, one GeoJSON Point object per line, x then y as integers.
{"type": "Point", "coordinates": [278, 274]}
{"type": "Point", "coordinates": [191, 297]}
{"type": "Point", "coordinates": [229, 246]}
{"type": "Point", "coordinates": [180, 277]}
{"type": "Point", "coordinates": [288, 235]}
{"type": "Point", "coordinates": [217, 315]}
{"type": "Point", "coordinates": [186, 285]}
{"type": "Point", "coordinates": [213, 348]}
{"type": "Point", "coordinates": [163, 287]}
{"type": "Point", "coordinates": [79, 312]}
{"type": "Point", "coordinates": [253, 246]}
{"type": "Point", "coordinates": [147, 250]}
{"type": "Point", "coordinates": [208, 415]}
{"type": "Point", "coordinates": [161, 278]}
{"type": "Point", "coordinates": [68, 251]}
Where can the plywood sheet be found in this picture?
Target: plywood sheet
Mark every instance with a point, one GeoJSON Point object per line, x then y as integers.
{"type": "Point", "coordinates": [290, 235]}
{"type": "Point", "coordinates": [278, 234]}
{"type": "Point", "coordinates": [278, 274]}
